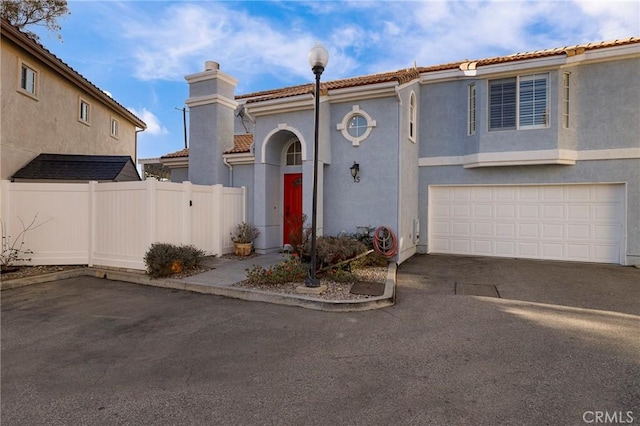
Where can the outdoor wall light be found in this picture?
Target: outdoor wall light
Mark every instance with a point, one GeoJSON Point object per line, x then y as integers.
{"type": "Point", "coordinates": [355, 172]}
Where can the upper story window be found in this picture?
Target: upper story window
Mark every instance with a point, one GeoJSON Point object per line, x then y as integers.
{"type": "Point", "coordinates": [565, 99]}
{"type": "Point", "coordinates": [519, 102]}
{"type": "Point", "coordinates": [85, 112]}
{"type": "Point", "coordinates": [413, 117]}
{"type": "Point", "coordinates": [471, 119]}
{"type": "Point", "coordinates": [28, 80]}
{"type": "Point", "coordinates": [294, 154]}
{"type": "Point", "coordinates": [115, 128]}
{"type": "Point", "coordinates": [356, 125]}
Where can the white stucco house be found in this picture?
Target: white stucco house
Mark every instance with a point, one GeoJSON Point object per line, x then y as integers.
{"type": "Point", "coordinates": [532, 155]}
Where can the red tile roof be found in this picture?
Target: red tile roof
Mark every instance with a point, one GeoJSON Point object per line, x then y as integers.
{"type": "Point", "coordinates": [241, 144]}
{"type": "Point", "coordinates": [406, 75]}
{"type": "Point", "coordinates": [177, 154]}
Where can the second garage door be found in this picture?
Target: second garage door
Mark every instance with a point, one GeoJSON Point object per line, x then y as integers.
{"type": "Point", "coordinates": [561, 222]}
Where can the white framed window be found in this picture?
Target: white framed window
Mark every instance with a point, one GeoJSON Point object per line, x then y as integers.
{"type": "Point", "coordinates": [115, 128]}
{"type": "Point", "coordinates": [413, 117]}
{"type": "Point", "coordinates": [566, 82]}
{"type": "Point", "coordinates": [356, 125]}
{"type": "Point", "coordinates": [84, 114]}
{"type": "Point", "coordinates": [293, 156]}
{"type": "Point", "coordinates": [471, 111]}
{"type": "Point", "coordinates": [519, 102]}
{"type": "Point", "coordinates": [28, 80]}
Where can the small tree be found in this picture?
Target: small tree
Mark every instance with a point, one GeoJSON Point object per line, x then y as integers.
{"type": "Point", "coordinates": [22, 13]}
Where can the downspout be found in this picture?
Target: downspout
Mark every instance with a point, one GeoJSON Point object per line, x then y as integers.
{"type": "Point", "coordinates": [226, 163]}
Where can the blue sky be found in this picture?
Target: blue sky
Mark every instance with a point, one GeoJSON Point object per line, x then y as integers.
{"type": "Point", "coordinates": [140, 51]}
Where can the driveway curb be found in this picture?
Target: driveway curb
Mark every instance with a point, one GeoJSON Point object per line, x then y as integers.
{"type": "Point", "coordinates": [387, 299]}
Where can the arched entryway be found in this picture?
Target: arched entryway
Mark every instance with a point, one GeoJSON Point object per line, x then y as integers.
{"type": "Point", "coordinates": [292, 220]}
{"type": "Point", "coordinates": [280, 182]}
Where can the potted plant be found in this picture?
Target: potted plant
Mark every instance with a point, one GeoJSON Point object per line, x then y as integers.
{"type": "Point", "coordinates": [243, 237]}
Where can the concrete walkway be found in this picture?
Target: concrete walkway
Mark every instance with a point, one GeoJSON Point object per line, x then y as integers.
{"type": "Point", "coordinates": [220, 281]}
{"type": "Point", "coordinates": [226, 272]}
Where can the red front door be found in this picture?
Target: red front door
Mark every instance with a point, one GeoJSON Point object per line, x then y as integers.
{"type": "Point", "coordinates": [292, 224]}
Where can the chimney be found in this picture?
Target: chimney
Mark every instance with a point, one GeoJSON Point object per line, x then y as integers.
{"type": "Point", "coordinates": [211, 66]}
{"type": "Point", "coordinates": [211, 106]}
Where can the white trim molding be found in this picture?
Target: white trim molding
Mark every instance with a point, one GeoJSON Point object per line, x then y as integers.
{"type": "Point", "coordinates": [282, 127]}
{"type": "Point", "coordinates": [282, 105]}
{"type": "Point", "coordinates": [211, 99]}
{"type": "Point", "coordinates": [211, 75]}
{"type": "Point", "coordinates": [519, 158]}
{"type": "Point", "coordinates": [239, 158]}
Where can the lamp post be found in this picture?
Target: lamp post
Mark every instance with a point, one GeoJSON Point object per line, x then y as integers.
{"type": "Point", "coordinates": [318, 59]}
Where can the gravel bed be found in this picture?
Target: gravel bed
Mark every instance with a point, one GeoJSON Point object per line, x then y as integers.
{"type": "Point", "coordinates": [335, 291]}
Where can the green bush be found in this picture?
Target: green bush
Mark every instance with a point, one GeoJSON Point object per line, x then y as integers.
{"type": "Point", "coordinates": [161, 258]}
{"type": "Point", "coordinates": [290, 270]}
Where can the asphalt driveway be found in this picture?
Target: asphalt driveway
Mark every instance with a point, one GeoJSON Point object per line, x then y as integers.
{"type": "Point", "coordinates": [92, 351]}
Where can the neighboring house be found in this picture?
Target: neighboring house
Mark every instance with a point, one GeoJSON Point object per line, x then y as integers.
{"type": "Point", "coordinates": [47, 107]}
{"type": "Point", "coordinates": [532, 155]}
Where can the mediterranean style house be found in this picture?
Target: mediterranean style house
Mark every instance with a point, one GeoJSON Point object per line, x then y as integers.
{"type": "Point", "coordinates": [532, 155]}
{"type": "Point", "coordinates": [49, 108]}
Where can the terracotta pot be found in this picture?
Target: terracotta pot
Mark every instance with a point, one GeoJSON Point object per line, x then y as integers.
{"type": "Point", "coordinates": [242, 249]}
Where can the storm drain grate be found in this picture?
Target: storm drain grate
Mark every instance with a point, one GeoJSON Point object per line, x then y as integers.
{"type": "Point", "coordinates": [484, 290]}
{"type": "Point", "coordinates": [367, 288]}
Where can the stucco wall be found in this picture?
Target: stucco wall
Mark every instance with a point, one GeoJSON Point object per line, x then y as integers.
{"type": "Point", "coordinates": [49, 123]}
{"type": "Point", "coordinates": [179, 175]}
{"type": "Point", "coordinates": [243, 176]}
{"type": "Point", "coordinates": [374, 200]}
{"type": "Point", "coordinates": [608, 101]}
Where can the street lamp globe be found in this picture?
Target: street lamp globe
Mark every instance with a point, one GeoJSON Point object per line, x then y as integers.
{"type": "Point", "coordinates": [318, 58]}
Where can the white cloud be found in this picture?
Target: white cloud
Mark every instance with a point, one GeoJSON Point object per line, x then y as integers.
{"type": "Point", "coordinates": [272, 42]}
{"type": "Point", "coordinates": [153, 124]}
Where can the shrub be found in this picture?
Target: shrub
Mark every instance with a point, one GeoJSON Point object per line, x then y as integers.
{"type": "Point", "coordinates": [162, 259]}
{"type": "Point", "coordinates": [340, 275]}
{"type": "Point", "coordinates": [332, 250]}
{"type": "Point", "coordinates": [364, 234]}
{"type": "Point", "coordinates": [299, 235]}
{"type": "Point", "coordinates": [372, 259]}
{"type": "Point", "coordinates": [290, 270]}
{"type": "Point", "coordinates": [244, 233]}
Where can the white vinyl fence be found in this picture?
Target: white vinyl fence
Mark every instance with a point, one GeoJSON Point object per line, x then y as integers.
{"type": "Point", "coordinates": [114, 224]}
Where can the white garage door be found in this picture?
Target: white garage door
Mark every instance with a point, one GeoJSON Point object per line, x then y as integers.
{"type": "Point", "coordinates": [562, 222]}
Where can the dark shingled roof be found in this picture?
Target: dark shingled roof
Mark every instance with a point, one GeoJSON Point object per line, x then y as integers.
{"type": "Point", "coordinates": [79, 167]}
